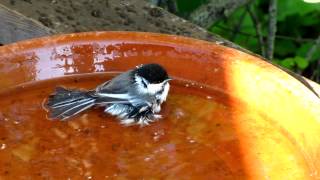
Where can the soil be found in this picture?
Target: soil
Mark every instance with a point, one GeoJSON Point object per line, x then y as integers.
{"type": "Point", "coordinates": [66, 16]}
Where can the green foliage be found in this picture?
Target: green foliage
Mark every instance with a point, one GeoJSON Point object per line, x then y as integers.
{"type": "Point", "coordinates": [298, 25]}
{"type": "Point", "coordinates": [285, 48]}
{"type": "Point", "coordinates": [296, 62]}
{"type": "Point", "coordinates": [303, 50]}
{"type": "Point", "coordinates": [288, 63]}
{"type": "Point", "coordinates": [301, 62]}
{"type": "Point", "coordinates": [185, 7]}
{"type": "Point", "coordinates": [295, 7]}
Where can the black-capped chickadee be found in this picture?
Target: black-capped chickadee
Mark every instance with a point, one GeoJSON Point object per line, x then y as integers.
{"type": "Point", "coordinates": [135, 96]}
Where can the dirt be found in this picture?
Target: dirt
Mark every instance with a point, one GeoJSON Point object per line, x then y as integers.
{"type": "Point", "coordinates": [66, 16]}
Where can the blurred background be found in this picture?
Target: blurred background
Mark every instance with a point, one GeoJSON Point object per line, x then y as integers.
{"type": "Point", "coordinates": [285, 32]}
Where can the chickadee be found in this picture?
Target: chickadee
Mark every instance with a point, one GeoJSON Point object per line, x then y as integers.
{"type": "Point", "coordinates": [135, 96]}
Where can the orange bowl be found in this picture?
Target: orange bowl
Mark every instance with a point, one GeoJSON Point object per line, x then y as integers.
{"type": "Point", "coordinates": [276, 118]}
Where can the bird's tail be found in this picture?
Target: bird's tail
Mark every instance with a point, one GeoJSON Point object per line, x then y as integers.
{"type": "Point", "coordinates": [66, 103]}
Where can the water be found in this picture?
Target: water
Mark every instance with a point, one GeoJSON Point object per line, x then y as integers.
{"type": "Point", "coordinates": [195, 139]}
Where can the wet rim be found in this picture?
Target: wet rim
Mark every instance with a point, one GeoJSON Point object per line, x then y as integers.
{"type": "Point", "coordinates": [143, 37]}
{"type": "Point", "coordinates": [189, 43]}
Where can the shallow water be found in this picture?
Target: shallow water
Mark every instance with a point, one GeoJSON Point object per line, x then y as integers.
{"type": "Point", "coordinates": [195, 138]}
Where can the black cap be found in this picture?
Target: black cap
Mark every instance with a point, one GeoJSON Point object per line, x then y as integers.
{"type": "Point", "coordinates": [154, 73]}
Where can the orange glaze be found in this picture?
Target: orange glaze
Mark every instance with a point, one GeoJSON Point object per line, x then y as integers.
{"type": "Point", "coordinates": [195, 126]}
{"type": "Point", "coordinates": [249, 116]}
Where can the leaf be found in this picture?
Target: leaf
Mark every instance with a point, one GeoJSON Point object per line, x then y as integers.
{"type": "Point", "coordinates": [310, 19]}
{"type": "Point", "coordinates": [276, 61]}
{"type": "Point", "coordinates": [284, 47]}
{"type": "Point", "coordinates": [290, 7]}
{"type": "Point", "coordinates": [219, 29]}
{"type": "Point", "coordinates": [253, 45]}
{"type": "Point", "coordinates": [247, 25]}
{"type": "Point", "coordinates": [301, 62]}
{"type": "Point", "coordinates": [303, 50]}
{"type": "Point", "coordinates": [188, 7]}
{"type": "Point", "coordinates": [242, 40]}
{"type": "Point", "coordinates": [288, 63]}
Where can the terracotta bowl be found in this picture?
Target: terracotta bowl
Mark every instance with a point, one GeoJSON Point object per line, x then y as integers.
{"type": "Point", "coordinates": [283, 143]}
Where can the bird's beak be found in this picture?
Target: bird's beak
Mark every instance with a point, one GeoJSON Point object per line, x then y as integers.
{"type": "Point", "coordinates": [169, 79]}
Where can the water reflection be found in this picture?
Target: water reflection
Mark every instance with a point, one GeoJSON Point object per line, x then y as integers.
{"type": "Point", "coordinates": [18, 68]}
{"type": "Point", "coordinates": [98, 57]}
{"type": "Point", "coordinates": [56, 61]}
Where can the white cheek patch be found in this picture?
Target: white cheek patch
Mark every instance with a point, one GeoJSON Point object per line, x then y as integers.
{"type": "Point", "coordinates": [140, 83]}
{"type": "Point", "coordinates": [165, 92]}
{"type": "Point", "coordinates": [154, 88]}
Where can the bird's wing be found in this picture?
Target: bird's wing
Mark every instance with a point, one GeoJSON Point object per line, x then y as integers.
{"type": "Point", "coordinates": [110, 98]}
{"type": "Point", "coordinates": [120, 89]}
{"type": "Point", "coordinates": [126, 98]}
{"type": "Point", "coordinates": [121, 84]}
{"type": "Point", "coordinates": [101, 86]}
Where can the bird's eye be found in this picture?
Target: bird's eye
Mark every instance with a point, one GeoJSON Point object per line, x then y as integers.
{"type": "Point", "coordinates": [144, 83]}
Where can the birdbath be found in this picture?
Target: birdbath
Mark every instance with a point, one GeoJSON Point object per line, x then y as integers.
{"type": "Point", "coordinates": [229, 115]}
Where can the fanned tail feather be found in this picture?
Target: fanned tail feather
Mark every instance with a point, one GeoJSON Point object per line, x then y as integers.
{"type": "Point", "coordinates": [66, 103]}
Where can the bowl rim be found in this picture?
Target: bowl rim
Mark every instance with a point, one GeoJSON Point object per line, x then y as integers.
{"type": "Point", "coordinates": [303, 97]}
{"type": "Point", "coordinates": [146, 36]}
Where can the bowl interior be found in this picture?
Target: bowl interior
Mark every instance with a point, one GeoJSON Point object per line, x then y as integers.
{"type": "Point", "coordinates": [268, 121]}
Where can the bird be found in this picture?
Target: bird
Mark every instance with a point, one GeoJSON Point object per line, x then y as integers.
{"type": "Point", "coordinates": [134, 97]}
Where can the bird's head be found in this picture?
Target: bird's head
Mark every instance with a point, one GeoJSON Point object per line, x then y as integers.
{"type": "Point", "coordinates": [153, 78]}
